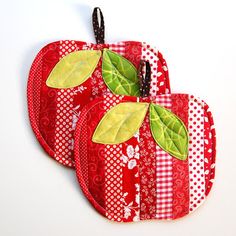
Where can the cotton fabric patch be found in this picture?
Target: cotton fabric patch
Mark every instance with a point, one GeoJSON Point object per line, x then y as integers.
{"type": "Point", "coordinates": [54, 112]}
{"type": "Point", "coordinates": [120, 123]}
{"type": "Point", "coordinates": [171, 195]}
{"type": "Point", "coordinates": [73, 69]}
{"type": "Point", "coordinates": [139, 151]}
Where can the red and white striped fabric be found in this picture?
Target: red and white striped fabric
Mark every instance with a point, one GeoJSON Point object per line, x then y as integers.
{"type": "Point", "coordinates": [149, 183]}
{"type": "Point", "coordinates": [55, 112]}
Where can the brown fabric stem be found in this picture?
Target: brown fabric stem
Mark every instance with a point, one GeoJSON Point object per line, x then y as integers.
{"type": "Point", "coordinates": [144, 80]}
{"type": "Point", "coordinates": [98, 25]}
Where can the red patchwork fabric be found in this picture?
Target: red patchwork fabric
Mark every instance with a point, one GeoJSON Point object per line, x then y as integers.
{"type": "Point", "coordinates": [153, 158]}
{"type": "Point", "coordinates": [180, 168]}
{"type": "Point", "coordinates": [141, 181]}
{"type": "Point", "coordinates": [147, 172]}
{"type": "Point", "coordinates": [54, 112]}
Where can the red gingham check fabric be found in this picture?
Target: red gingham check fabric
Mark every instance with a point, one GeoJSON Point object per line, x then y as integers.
{"type": "Point", "coordinates": [164, 184]}
{"type": "Point", "coordinates": [118, 48]}
{"type": "Point", "coordinates": [164, 100]}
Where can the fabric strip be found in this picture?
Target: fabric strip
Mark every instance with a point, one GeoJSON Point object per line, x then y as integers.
{"type": "Point", "coordinates": [180, 168]}
{"type": "Point", "coordinates": [163, 82]}
{"type": "Point", "coordinates": [83, 147]}
{"type": "Point", "coordinates": [113, 172]}
{"type": "Point", "coordinates": [147, 170]}
{"type": "Point", "coordinates": [118, 48]}
{"type": "Point", "coordinates": [196, 153]}
{"type": "Point", "coordinates": [64, 115]}
{"type": "Point", "coordinates": [36, 75]}
{"type": "Point", "coordinates": [131, 186]}
{"type": "Point", "coordinates": [95, 153]}
{"type": "Point", "coordinates": [133, 52]}
{"type": "Point", "coordinates": [209, 148]}
{"type": "Point", "coordinates": [149, 56]}
{"type": "Point", "coordinates": [48, 95]}
{"type": "Point", "coordinates": [164, 184]}
{"type": "Point", "coordinates": [130, 153]}
{"type": "Point", "coordinates": [159, 71]}
{"type": "Point", "coordinates": [207, 151]}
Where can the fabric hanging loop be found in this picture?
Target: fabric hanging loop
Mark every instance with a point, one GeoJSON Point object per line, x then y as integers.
{"type": "Point", "coordinates": [98, 25]}
{"type": "Point", "coordinates": [145, 80]}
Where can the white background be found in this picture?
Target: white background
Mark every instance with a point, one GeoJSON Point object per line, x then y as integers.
{"type": "Point", "coordinates": [198, 39]}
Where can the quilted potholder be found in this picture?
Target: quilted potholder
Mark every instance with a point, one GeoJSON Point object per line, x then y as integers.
{"type": "Point", "coordinates": [67, 74]}
{"type": "Point", "coordinates": [145, 158]}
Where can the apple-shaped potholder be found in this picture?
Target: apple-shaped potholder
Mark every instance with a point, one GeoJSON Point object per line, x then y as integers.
{"type": "Point", "coordinates": [145, 158]}
{"type": "Point", "coordinates": [67, 74]}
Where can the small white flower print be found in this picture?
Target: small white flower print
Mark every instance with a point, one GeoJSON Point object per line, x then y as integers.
{"type": "Point", "coordinates": [75, 116]}
{"type": "Point", "coordinates": [80, 89]}
{"type": "Point", "coordinates": [136, 153]}
{"type": "Point", "coordinates": [124, 159]}
{"type": "Point", "coordinates": [137, 216]}
{"type": "Point", "coordinates": [130, 151]}
{"type": "Point", "coordinates": [136, 135]}
{"type": "Point", "coordinates": [132, 163]}
{"type": "Point", "coordinates": [132, 155]}
{"type": "Point", "coordinates": [127, 211]}
{"type": "Point", "coordinates": [137, 198]}
{"type": "Point", "coordinates": [137, 187]}
{"type": "Point", "coordinates": [133, 152]}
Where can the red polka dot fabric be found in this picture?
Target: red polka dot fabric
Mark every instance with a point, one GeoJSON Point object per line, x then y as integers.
{"type": "Point", "coordinates": [137, 180]}
{"type": "Point", "coordinates": [54, 112]}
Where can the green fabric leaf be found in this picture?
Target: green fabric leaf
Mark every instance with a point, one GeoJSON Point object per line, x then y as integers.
{"type": "Point", "coordinates": [120, 123]}
{"type": "Point", "coordinates": [169, 131]}
{"type": "Point", "coordinates": [119, 74]}
{"type": "Point", "coordinates": [73, 69]}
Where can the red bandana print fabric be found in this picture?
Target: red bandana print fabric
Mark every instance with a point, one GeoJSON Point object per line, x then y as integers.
{"type": "Point", "coordinates": [136, 180]}
{"type": "Point", "coordinates": [54, 112]}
